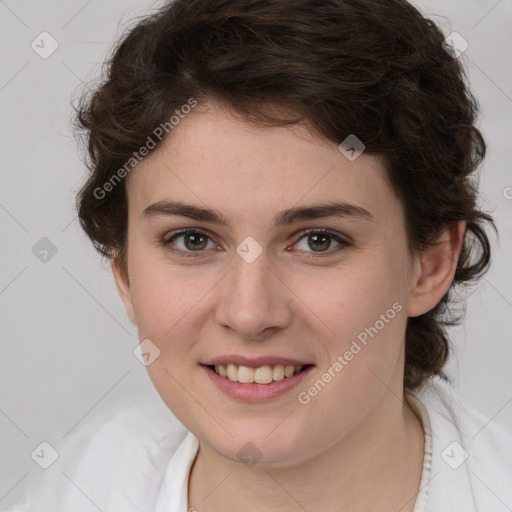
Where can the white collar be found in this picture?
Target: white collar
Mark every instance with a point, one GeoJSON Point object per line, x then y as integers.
{"type": "Point", "coordinates": [455, 483]}
{"type": "Point", "coordinates": [174, 491]}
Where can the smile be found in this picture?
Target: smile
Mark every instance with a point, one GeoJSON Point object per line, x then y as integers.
{"type": "Point", "coordinates": [265, 374]}
{"type": "Point", "coordinates": [256, 384]}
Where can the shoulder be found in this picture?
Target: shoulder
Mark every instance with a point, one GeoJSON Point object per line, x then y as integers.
{"type": "Point", "coordinates": [466, 438]}
{"type": "Point", "coordinates": [112, 461]}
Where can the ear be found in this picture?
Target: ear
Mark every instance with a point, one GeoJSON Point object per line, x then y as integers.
{"type": "Point", "coordinates": [434, 270]}
{"type": "Point", "coordinates": [123, 286]}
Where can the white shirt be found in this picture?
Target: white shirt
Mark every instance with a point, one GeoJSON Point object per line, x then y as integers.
{"type": "Point", "coordinates": [139, 459]}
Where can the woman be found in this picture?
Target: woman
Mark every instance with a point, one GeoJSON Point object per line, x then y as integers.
{"type": "Point", "coordinates": [285, 192]}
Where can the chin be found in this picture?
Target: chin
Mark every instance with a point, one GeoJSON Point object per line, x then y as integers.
{"type": "Point", "coordinates": [257, 447]}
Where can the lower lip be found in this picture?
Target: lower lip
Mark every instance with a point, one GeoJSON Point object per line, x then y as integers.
{"type": "Point", "coordinates": [256, 392]}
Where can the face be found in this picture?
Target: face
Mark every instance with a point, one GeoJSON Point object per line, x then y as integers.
{"type": "Point", "coordinates": [279, 284]}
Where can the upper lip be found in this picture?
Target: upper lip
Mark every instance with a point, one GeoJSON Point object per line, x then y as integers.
{"type": "Point", "coordinates": [254, 362]}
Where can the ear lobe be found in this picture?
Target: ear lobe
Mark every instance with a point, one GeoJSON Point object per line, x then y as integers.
{"type": "Point", "coordinates": [123, 286]}
{"type": "Point", "coordinates": [435, 269]}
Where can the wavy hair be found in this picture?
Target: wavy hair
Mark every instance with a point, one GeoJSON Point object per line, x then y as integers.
{"type": "Point", "coordinates": [374, 68]}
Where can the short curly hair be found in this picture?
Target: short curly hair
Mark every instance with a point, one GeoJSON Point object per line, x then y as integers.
{"type": "Point", "coordinates": [374, 68]}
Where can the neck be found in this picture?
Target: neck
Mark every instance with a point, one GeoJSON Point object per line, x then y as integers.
{"type": "Point", "coordinates": [369, 466]}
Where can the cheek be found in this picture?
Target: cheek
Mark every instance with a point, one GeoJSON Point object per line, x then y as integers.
{"type": "Point", "coordinates": [160, 298]}
{"type": "Point", "coordinates": [346, 302]}
{"type": "Point", "coordinates": [164, 309]}
{"type": "Point", "coordinates": [363, 322]}
{"type": "Point", "coordinates": [169, 310]}
{"type": "Point", "coordinates": [362, 359]}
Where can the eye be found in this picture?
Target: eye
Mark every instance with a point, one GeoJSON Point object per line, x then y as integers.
{"type": "Point", "coordinates": [194, 242]}
{"type": "Point", "coordinates": [319, 241]}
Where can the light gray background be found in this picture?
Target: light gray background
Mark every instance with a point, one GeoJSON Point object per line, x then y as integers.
{"type": "Point", "coordinates": [66, 342]}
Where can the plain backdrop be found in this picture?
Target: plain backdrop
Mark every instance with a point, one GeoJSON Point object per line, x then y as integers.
{"type": "Point", "coordinates": [66, 341]}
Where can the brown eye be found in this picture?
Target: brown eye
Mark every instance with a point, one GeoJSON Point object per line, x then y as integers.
{"type": "Point", "coordinates": [195, 241]}
{"type": "Point", "coordinates": [192, 241]}
{"type": "Point", "coordinates": [320, 241]}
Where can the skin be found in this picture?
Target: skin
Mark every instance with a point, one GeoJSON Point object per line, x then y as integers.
{"type": "Point", "coordinates": [357, 443]}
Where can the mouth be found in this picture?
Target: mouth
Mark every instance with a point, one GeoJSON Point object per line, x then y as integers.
{"type": "Point", "coordinates": [265, 374]}
{"type": "Point", "coordinates": [257, 383]}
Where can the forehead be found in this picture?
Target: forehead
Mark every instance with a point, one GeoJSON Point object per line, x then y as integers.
{"type": "Point", "coordinates": [215, 158]}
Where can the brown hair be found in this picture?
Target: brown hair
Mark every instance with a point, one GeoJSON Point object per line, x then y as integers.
{"type": "Point", "coordinates": [373, 68]}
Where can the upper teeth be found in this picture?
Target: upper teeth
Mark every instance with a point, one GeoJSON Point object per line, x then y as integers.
{"type": "Point", "coordinates": [262, 375]}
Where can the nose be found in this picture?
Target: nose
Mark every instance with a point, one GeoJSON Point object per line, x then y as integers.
{"type": "Point", "coordinates": [254, 301]}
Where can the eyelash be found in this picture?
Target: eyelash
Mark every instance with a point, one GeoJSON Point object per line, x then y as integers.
{"type": "Point", "coordinates": [166, 242]}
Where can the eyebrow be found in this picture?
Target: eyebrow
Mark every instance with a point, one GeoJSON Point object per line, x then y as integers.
{"type": "Point", "coordinates": [286, 217]}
